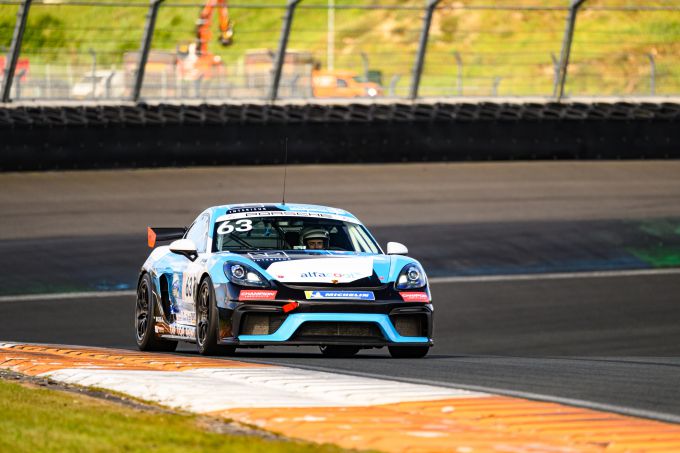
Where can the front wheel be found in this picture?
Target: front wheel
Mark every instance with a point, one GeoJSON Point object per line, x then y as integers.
{"type": "Point", "coordinates": [207, 321]}
{"type": "Point", "coordinates": [339, 351]}
{"type": "Point", "coordinates": [145, 313]}
{"type": "Point", "coordinates": [408, 352]}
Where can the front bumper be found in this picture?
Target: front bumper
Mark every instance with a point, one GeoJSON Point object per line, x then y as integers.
{"type": "Point", "coordinates": [295, 320]}
{"type": "Point", "coordinates": [374, 323]}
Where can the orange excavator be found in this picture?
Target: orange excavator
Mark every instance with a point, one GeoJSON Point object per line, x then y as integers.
{"type": "Point", "coordinates": [196, 60]}
{"type": "Point", "coordinates": [203, 32]}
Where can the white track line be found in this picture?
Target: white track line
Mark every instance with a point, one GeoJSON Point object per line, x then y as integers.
{"type": "Point", "coordinates": [555, 276]}
{"type": "Point", "coordinates": [435, 280]}
{"type": "Point", "coordinates": [60, 296]}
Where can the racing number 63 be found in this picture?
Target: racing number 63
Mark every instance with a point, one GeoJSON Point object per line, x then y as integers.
{"type": "Point", "coordinates": [241, 226]}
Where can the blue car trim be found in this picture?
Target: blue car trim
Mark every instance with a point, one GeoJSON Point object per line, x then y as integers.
{"type": "Point", "coordinates": [294, 321]}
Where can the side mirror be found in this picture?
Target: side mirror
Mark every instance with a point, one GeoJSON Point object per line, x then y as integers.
{"type": "Point", "coordinates": [395, 248]}
{"type": "Point", "coordinates": [184, 247]}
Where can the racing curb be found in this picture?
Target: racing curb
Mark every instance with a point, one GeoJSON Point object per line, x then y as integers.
{"type": "Point", "coordinates": [351, 411]}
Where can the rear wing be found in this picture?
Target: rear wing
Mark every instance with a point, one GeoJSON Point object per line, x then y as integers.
{"type": "Point", "coordinates": [154, 234]}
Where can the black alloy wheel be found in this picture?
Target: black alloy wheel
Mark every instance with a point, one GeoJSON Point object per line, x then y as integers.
{"type": "Point", "coordinates": [207, 321]}
{"type": "Point", "coordinates": [145, 309]}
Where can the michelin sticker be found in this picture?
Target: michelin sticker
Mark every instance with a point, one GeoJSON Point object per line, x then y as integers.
{"type": "Point", "coordinates": [340, 295]}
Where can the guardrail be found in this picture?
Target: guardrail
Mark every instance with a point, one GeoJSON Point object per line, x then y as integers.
{"type": "Point", "coordinates": [151, 50]}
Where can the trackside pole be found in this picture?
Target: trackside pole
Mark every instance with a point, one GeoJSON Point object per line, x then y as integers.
{"type": "Point", "coordinates": [15, 49]}
{"type": "Point", "coordinates": [558, 89]}
{"type": "Point", "coordinates": [422, 48]}
{"type": "Point", "coordinates": [281, 52]}
{"type": "Point", "coordinates": [146, 46]}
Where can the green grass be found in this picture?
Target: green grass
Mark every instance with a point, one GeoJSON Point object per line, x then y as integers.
{"type": "Point", "coordinates": [42, 420]}
{"type": "Point", "coordinates": [512, 47]}
{"type": "Point", "coordinates": [662, 243]}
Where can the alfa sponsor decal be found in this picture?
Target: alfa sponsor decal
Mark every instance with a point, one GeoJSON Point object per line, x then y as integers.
{"type": "Point", "coordinates": [340, 295]}
{"type": "Point", "coordinates": [415, 297]}
{"type": "Point", "coordinates": [332, 275]}
{"type": "Point", "coordinates": [257, 294]}
{"type": "Point", "coordinates": [322, 270]}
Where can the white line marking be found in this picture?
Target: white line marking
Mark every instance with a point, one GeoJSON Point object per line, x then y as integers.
{"type": "Point", "coordinates": [555, 276]}
{"type": "Point", "coordinates": [453, 279]}
{"type": "Point", "coordinates": [60, 296]}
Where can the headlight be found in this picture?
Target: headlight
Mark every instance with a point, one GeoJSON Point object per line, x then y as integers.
{"type": "Point", "coordinates": [372, 92]}
{"type": "Point", "coordinates": [244, 275]}
{"type": "Point", "coordinates": [412, 276]}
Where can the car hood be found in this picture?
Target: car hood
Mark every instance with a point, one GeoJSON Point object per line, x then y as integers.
{"type": "Point", "coordinates": [322, 267]}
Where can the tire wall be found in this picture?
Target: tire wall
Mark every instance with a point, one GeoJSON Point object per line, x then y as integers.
{"type": "Point", "coordinates": [165, 135]}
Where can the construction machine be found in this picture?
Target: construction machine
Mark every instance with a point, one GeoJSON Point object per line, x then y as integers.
{"type": "Point", "coordinates": [195, 59]}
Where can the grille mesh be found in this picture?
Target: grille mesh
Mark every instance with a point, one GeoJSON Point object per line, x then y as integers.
{"type": "Point", "coordinates": [339, 329]}
{"type": "Point", "coordinates": [260, 323]}
{"type": "Point", "coordinates": [409, 325]}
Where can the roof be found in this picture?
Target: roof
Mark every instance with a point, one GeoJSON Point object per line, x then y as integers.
{"type": "Point", "coordinates": [229, 211]}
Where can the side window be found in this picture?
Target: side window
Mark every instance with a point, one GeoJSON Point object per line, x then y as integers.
{"type": "Point", "coordinates": [342, 83]}
{"type": "Point", "coordinates": [198, 232]}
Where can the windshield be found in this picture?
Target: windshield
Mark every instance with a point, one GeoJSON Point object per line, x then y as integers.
{"type": "Point", "coordinates": [292, 233]}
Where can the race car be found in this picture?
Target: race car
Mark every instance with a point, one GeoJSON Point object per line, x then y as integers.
{"type": "Point", "coordinates": [254, 275]}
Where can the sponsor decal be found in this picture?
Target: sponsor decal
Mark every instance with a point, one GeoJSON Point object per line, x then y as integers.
{"type": "Point", "coordinates": [335, 276]}
{"type": "Point", "coordinates": [246, 209]}
{"type": "Point", "coordinates": [322, 270]}
{"type": "Point", "coordinates": [268, 256]}
{"type": "Point", "coordinates": [186, 316]}
{"type": "Point", "coordinates": [182, 331]}
{"type": "Point", "coordinates": [415, 297]}
{"type": "Point", "coordinates": [340, 295]}
{"type": "Point", "coordinates": [257, 294]}
{"type": "Point", "coordinates": [268, 213]}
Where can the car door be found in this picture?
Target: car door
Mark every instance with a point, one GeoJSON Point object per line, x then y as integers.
{"type": "Point", "coordinates": [187, 273]}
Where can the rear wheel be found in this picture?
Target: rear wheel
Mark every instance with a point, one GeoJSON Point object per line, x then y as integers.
{"type": "Point", "coordinates": [408, 352]}
{"type": "Point", "coordinates": [207, 321]}
{"type": "Point", "coordinates": [339, 351]}
{"type": "Point", "coordinates": [145, 312]}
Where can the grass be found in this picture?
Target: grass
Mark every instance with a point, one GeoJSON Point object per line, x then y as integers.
{"type": "Point", "coordinates": [41, 420]}
{"type": "Point", "coordinates": [509, 48]}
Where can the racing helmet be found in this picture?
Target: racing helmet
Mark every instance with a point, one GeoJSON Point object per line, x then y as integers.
{"type": "Point", "coordinates": [314, 233]}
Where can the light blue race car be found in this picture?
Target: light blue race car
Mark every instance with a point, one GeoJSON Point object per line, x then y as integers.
{"type": "Point", "coordinates": [253, 275]}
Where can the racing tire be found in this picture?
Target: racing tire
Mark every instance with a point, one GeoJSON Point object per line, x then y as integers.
{"type": "Point", "coordinates": [207, 320]}
{"type": "Point", "coordinates": [339, 351]}
{"type": "Point", "coordinates": [145, 313]}
{"type": "Point", "coordinates": [408, 352]}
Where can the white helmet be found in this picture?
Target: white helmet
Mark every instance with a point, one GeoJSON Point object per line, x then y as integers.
{"type": "Point", "coordinates": [314, 233]}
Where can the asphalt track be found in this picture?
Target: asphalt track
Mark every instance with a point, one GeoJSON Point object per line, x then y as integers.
{"type": "Point", "coordinates": [609, 341]}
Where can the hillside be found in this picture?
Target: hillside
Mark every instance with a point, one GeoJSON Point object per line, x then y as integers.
{"type": "Point", "coordinates": [508, 48]}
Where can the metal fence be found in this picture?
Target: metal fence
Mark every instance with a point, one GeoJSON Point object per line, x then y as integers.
{"type": "Point", "coordinates": [135, 50]}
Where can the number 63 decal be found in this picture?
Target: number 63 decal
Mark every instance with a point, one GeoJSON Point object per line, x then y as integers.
{"type": "Point", "coordinates": [241, 226]}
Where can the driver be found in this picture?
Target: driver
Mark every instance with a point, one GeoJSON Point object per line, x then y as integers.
{"type": "Point", "coordinates": [314, 238]}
